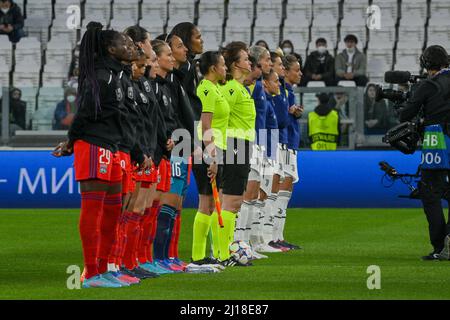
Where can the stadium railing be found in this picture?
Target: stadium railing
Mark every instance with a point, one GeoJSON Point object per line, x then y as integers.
{"type": "Point", "coordinates": [40, 118]}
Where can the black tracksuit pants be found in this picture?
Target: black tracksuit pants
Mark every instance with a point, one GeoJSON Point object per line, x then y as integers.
{"type": "Point", "coordinates": [434, 187]}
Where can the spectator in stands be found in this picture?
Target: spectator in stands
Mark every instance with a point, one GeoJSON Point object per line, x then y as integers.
{"type": "Point", "coordinates": [323, 125]}
{"type": "Point", "coordinates": [375, 112]}
{"type": "Point", "coordinates": [65, 110]}
{"type": "Point", "coordinates": [17, 111]}
{"type": "Point", "coordinates": [351, 63]}
{"type": "Point", "coordinates": [262, 43]}
{"type": "Point", "coordinates": [319, 65]}
{"type": "Point", "coordinates": [339, 102]}
{"type": "Point", "coordinates": [11, 20]}
{"type": "Point", "coordinates": [288, 48]}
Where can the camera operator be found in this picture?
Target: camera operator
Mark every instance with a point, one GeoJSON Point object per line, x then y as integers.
{"type": "Point", "coordinates": [432, 97]}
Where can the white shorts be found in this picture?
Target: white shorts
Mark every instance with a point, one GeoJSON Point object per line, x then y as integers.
{"type": "Point", "coordinates": [268, 168]}
{"type": "Point", "coordinates": [256, 164]}
{"type": "Point", "coordinates": [290, 169]}
{"type": "Point", "coordinates": [281, 161]}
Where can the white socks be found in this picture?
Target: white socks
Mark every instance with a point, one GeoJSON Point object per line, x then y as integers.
{"type": "Point", "coordinates": [269, 215]}
{"type": "Point", "coordinates": [280, 217]}
{"type": "Point", "coordinates": [257, 223]}
{"type": "Point", "coordinates": [241, 220]}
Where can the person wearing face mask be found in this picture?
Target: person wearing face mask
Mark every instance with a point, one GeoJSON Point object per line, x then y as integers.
{"type": "Point", "coordinates": [288, 49]}
{"type": "Point", "coordinates": [375, 112]}
{"type": "Point", "coordinates": [351, 64]}
{"type": "Point", "coordinates": [17, 111]}
{"type": "Point", "coordinates": [65, 110]}
{"type": "Point", "coordinates": [11, 20]}
{"type": "Point", "coordinates": [319, 65]}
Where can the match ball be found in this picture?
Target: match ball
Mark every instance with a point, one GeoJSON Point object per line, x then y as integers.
{"type": "Point", "coordinates": [241, 251]}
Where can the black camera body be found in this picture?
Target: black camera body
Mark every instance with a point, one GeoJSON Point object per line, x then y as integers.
{"type": "Point", "coordinates": [406, 136]}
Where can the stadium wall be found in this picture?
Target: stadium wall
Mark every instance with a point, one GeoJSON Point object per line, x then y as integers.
{"type": "Point", "coordinates": [341, 179]}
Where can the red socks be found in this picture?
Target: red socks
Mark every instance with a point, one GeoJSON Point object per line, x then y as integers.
{"type": "Point", "coordinates": [112, 208]}
{"type": "Point", "coordinates": [132, 229]}
{"type": "Point", "coordinates": [173, 249]}
{"type": "Point", "coordinates": [90, 217]}
{"type": "Point", "coordinates": [146, 229]}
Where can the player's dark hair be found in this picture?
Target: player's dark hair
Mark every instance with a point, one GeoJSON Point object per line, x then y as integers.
{"type": "Point", "coordinates": [289, 61]}
{"type": "Point", "coordinates": [94, 47]}
{"type": "Point", "coordinates": [184, 30]}
{"type": "Point", "coordinates": [351, 37]}
{"type": "Point", "coordinates": [232, 54]}
{"type": "Point", "coordinates": [207, 60]}
{"type": "Point", "coordinates": [158, 46]}
{"type": "Point", "coordinates": [321, 40]}
{"type": "Point", "coordinates": [137, 33]}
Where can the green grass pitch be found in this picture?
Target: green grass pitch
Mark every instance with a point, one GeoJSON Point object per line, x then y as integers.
{"type": "Point", "coordinates": [37, 246]}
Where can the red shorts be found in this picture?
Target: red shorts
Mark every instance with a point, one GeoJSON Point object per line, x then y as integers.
{"type": "Point", "coordinates": [94, 162]}
{"type": "Point", "coordinates": [164, 171]}
{"type": "Point", "coordinates": [128, 183]}
{"type": "Point", "coordinates": [149, 175]}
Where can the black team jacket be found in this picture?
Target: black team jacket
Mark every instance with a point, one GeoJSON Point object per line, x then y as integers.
{"type": "Point", "coordinates": [190, 82]}
{"type": "Point", "coordinates": [169, 117]}
{"type": "Point", "coordinates": [101, 127]}
{"type": "Point", "coordinates": [132, 120]}
{"type": "Point", "coordinates": [181, 103]}
{"type": "Point", "coordinates": [151, 118]}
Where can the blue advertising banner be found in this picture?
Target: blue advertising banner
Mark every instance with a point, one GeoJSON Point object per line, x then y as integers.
{"type": "Point", "coordinates": [341, 179]}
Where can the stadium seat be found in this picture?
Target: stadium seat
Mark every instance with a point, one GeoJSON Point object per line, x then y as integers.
{"type": "Point", "coordinates": [215, 9]}
{"type": "Point", "coordinates": [270, 7]}
{"type": "Point", "coordinates": [211, 34]}
{"type": "Point", "coordinates": [298, 13]}
{"type": "Point", "coordinates": [315, 84]}
{"type": "Point", "coordinates": [411, 37]}
{"type": "Point", "coordinates": [439, 7]}
{"type": "Point", "coordinates": [439, 35]}
{"type": "Point", "coordinates": [155, 9]}
{"type": "Point", "coordinates": [326, 8]}
{"type": "Point", "coordinates": [49, 97]}
{"type": "Point", "coordinates": [97, 10]}
{"type": "Point", "coordinates": [37, 27]}
{"type": "Point", "coordinates": [39, 18]}
{"type": "Point", "coordinates": [240, 20]}
{"type": "Point", "coordinates": [389, 9]}
{"type": "Point", "coordinates": [126, 10]}
{"type": "Point", "coordinates": [6, 53]}
{"type": "Point", "coordinates": [408, 59]}
{"type": "Point", "coordinates": [121, 24]}
{"type": "Point", "coordinates": [180, 11]}
{"type": "Point", "coordinates": [28, 52]}
{"type": "Point", "coordinates": [413, 12]}
{"type": "Point", "coordinates": [155, 25]}
{"type": "Point", "coordinates": [379, 61]}
{"type": "Point", "coordinates": [59, 30]}
{"type": "Point", "coordinates": [241, 10]}
{"type": "Point", "coordinates": [346, 83]}
{"type": "Point", "coordinates": [61, 6]}
{"type": "Point", "coordinates": [267, 27]}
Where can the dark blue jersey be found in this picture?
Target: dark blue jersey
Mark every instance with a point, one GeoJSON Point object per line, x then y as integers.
{"type": "Point", "coordinates": [259, 96]}
{"type": "Point", "coordinates": [281, 107]}
{"type": "Point", "coordinates": [293, 125]}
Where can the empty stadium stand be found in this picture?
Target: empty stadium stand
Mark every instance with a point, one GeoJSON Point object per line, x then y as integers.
{"type": "Point", "coordinates": [39, 63]}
